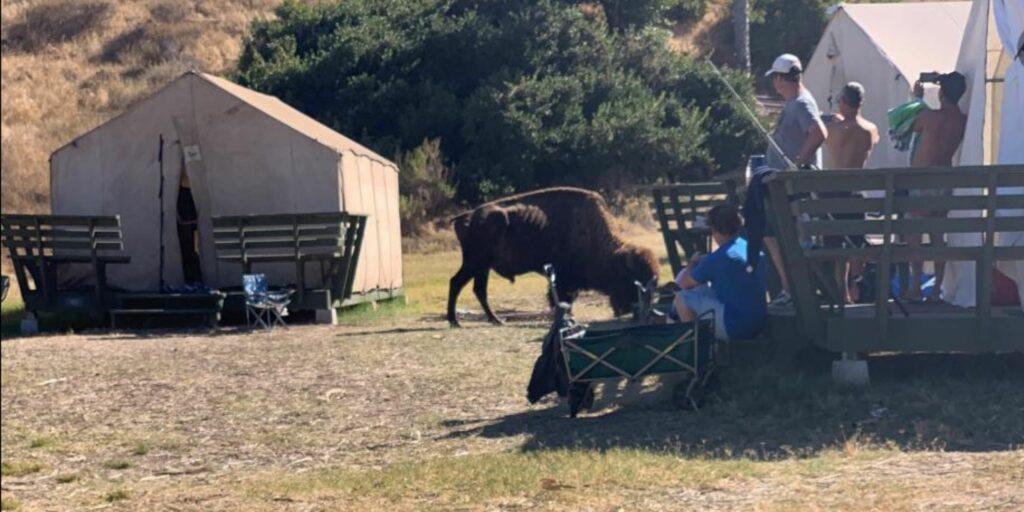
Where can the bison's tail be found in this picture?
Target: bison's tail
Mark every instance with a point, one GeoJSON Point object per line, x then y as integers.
{"type": "Point", "coordinates": [460, 222]}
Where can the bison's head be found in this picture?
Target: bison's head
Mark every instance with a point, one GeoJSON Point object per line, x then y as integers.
{"type": "Point", "coordinates": [630, 264]}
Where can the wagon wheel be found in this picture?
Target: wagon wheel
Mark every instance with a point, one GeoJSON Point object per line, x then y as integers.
{"type": "Point", "coordinates": [581, 396]}
{"type": "Point", "coordinates": [693, 393]}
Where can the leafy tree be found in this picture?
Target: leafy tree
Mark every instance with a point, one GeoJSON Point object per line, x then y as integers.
{"type": "Point", "coordinates": [425, 182]}
{"type": "Point", "coordinates": [785, 26]}
{"type": "Point", "coordinates": [521, 94]}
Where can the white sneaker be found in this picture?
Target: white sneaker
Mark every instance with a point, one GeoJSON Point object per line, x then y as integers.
{"type": "Point", "coordinates": [782, 299]}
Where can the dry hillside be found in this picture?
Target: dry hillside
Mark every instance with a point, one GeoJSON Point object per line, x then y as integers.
{"type": "Point", "coordinates": [68, 65]}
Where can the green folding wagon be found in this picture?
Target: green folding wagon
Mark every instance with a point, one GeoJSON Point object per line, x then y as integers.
{"type": "Point", "coordinates": [604, 352]}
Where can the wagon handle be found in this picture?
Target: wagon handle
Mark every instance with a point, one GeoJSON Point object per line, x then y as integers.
{"type": "Point", "coordinates": [549, 270]}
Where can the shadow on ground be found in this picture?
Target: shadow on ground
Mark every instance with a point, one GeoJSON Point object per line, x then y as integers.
{"type": "Point", "coordinates": [772, 407]}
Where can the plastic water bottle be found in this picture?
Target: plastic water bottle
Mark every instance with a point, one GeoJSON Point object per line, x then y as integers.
{"type": "Point", "coordinates": [754, 163]}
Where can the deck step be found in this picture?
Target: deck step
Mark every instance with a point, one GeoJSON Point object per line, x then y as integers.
{"type": "Point", "coordinates": [163, 311]}
{"type": "Point", "coordinates": [151, 309]}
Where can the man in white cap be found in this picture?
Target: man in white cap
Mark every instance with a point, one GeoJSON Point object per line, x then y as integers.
{"type": "Point", "coordinates": [799, 133]}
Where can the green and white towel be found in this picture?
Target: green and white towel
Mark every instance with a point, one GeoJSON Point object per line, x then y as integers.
{"type": "Point", "coordinates": [901, 123]}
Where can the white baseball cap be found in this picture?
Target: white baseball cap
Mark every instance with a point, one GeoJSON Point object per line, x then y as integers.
{"type": "Point", "coordinates": [784, 64]}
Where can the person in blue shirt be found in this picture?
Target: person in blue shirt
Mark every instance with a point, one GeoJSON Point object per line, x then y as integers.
{"type": "Point", "coordinates": [724, 282]}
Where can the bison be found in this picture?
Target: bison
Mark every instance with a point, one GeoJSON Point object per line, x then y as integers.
{"type": "Point", "coordinates": [569, 228]}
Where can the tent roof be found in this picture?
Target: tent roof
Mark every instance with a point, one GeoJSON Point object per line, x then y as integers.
{"type": "Point", "coordinates": [279, 111]}
{"type": "Point", "coordinates": [917, 36]}
{"type": "Point", "coordinates": [294, 119]}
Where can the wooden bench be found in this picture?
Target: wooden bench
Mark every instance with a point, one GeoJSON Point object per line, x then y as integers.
{"type": "Point", "coordinates": [806, 206]}
{"type": "Point", "coordinates": [681, 209]}
{"type": "Point", "coordinates": [330, 240]}
{"type": "Point", "coordinates": [39, 244]}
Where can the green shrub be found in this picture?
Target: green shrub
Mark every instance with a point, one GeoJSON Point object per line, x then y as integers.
{"type": "Point", "coordinates": [426, 189]}
{"type": "Point", "coordinates": [521, 94]}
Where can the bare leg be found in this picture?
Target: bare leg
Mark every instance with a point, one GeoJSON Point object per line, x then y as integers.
{"type": "Point", "coordinates": [854, 269]}
{"type": "Point", "coordinates": [940, 267]}
{"type": "Point", "coordinates": [455, 286]}
{"type": "Point", "coordinates": [565, 294]}
{"type": "Point", "coordinates": [841, 273]}
{"type": "Point", "coordinates": [772, 245]}
{"type": "Point", "coordinates": [685, 314]}
{"type": "Point", "coordinates": [913, 291]}
{"type": "Point", "coordinates": [480, 289]}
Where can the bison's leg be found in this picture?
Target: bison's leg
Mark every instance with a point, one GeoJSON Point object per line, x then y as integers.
{"type": "Point", "coordinates": [455, 287]}
{"type": "Point", "coordinates": [480, 289]}
{"type": "Point", "coordinates": [568, 295]}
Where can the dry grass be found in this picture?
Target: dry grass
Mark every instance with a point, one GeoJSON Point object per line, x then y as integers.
{"type": "Point", "coordinates": [712, 33]}
{"type": "Point", "coordinates": [393, 410]}
{"type": "Point", "coordinates": [70, 65]}
{"type": "Point", "coordinates": [415, 416]}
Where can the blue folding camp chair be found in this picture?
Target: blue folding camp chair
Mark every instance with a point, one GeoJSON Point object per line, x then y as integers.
{"type": "Point", "coordinates": [262, 306]}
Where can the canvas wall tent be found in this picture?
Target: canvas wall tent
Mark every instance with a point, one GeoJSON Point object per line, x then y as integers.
{"type": "Point", "coordinates": [245, 153]}
{"type": "Point", "coordinates": [993, 100]}
{"type": "Point", "coordinates": [994, 104]}
{"type": "Point", "coordinates": [885, 47]}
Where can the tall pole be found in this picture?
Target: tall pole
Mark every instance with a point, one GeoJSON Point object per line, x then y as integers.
{"type": "Point", "coordinates": [160, 194]}
{"type": "Point", "coordinates": [741, 29]}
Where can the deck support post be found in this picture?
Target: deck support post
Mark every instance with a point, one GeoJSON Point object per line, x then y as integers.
{"type": "Point", "coordinates": [327, 316]}
{"type": "Point", "coordinates": [29, 324]}
{"type": "Point", "coordinates": [850, 370]}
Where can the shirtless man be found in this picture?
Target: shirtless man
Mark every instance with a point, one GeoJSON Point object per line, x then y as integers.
{"type": "Point", "coordinates": [939, 134]}
{"type": "Point", "coordinates": [850, 137]}
{"type": "Point", "coordinates": [850, 141]}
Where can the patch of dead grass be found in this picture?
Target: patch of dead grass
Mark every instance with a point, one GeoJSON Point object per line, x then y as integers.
{"type": "Point", "coordinates": [53, 22]}
{"type": "Point", "coordinates": [482, 478]}
{"type": "Point", "coordinates": [414, 415]}
{"type": "Point", "coordinates": [9, 503]}
{"type": "Point", "coordinates": [14, 468]}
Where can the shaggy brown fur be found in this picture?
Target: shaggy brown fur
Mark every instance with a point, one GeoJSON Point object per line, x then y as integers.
{"type": "Point", "coordinates": [569, 228]}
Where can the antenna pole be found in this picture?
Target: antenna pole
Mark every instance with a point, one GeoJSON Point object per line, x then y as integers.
{"type": "Point", "coordinates": [750, 113]}
{"type": "Point", "coordinates": [160, 159]}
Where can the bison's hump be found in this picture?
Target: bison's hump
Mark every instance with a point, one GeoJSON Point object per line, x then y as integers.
{"type": "Point", "coordinates": [568, 192]}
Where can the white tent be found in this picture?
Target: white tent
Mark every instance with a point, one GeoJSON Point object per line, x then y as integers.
{"type": "Point", "coordinates": [885, 47]}
{"type": "Point", "coordinates": [994, 103]}
{"type": "Point", "coordinates": [244, 153]}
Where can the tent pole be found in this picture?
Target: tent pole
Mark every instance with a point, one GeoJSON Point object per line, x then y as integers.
{"type": "Point", "coordinates": [160, 159]}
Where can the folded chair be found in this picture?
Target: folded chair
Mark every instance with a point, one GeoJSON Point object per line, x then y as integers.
{"type": "Point", "coordinates": [264, 307]}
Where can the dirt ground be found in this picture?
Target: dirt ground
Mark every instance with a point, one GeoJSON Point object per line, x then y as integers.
{"type": "Point", "coordinates": [197, 422]}
{"type": "Point", "coordinates": [392, 409]}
